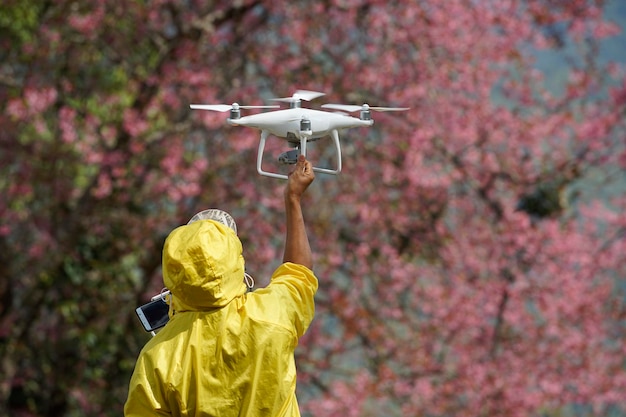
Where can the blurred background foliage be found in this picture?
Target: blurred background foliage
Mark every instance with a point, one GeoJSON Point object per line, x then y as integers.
{"type": "Point", "coordinates": [100, 157]}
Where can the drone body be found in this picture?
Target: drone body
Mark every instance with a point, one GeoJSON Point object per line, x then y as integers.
{"type": "Point", "coordinates": [288, 123]}
{"type": "Point", "coordinates": [298, 125]}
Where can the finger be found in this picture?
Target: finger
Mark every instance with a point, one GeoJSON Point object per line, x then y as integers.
{"type": "Point", "coordinates": [299, 163]}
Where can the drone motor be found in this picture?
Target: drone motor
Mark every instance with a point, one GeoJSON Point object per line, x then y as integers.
{"type": "Point", "coordinates": [366, 114]}
{"type": "Point", "coordinates": [235, 111]}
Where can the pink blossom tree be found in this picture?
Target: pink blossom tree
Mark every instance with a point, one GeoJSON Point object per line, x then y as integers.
{"type": "Point", "coordinates": [470, 260]}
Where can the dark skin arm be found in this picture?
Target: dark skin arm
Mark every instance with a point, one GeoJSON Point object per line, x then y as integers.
{"type": "Point", "coordinates": [297, 248]}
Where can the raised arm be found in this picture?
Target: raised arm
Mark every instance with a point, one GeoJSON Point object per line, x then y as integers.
{"type": "Point", "coordinates": [297, 248]}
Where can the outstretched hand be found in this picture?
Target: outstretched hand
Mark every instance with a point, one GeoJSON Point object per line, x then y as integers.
{"type": "Point", "coordinates": [297, 248]}
{"type": "Point", "coordinates": [300, 179]}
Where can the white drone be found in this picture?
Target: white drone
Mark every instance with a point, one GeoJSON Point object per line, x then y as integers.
{"type": "Point", "coordinates": [298, 125]}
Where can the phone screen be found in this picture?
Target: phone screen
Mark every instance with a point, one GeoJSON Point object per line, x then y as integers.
{"type": "Point", "coordinates": [154, 314]}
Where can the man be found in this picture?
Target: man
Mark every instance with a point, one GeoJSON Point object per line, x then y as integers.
{"type": "Point", "coordinates": [226, 351]}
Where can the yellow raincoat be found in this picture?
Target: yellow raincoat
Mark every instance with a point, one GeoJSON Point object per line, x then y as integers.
{"type": "Point", "coordinates": [225, 351]}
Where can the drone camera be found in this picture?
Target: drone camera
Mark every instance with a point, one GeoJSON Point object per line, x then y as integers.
{"type": "Point", "coordinates": [289, 157]}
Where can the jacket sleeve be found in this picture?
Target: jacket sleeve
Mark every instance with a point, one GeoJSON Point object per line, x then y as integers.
{"type": "Point", "coordinates": [145, 395]}
{"type": "Point", "coordinates": [295, 287]}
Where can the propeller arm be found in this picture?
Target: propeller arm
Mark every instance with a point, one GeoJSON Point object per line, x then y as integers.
{"type": "Point", "coordinates": [365, 107]}
{"type": "Point", "coordinates": [226, 107]}
{"type": "Point", "coordinates": [213, 107]}
{"type": "Point", "coordinates": [306, 95]}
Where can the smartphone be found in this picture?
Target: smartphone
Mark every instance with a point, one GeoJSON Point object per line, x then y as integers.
{"type": "Point", "coordinates": [154, 314]}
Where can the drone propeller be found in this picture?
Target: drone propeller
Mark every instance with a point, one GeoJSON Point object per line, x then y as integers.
{"type": "Point", "coordinates": [364, 107]}
{"type": "Point", "coordinates": [226, 107]}
{"type": "Point", "coordinates": [300, 95]}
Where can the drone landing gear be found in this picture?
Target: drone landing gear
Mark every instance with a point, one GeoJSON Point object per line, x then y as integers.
{"type": "Point", "coordinates": [291, 157]}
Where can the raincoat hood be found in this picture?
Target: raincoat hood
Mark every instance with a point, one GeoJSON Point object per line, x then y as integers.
{"type": "Point", "coordinates": [203, 266]}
